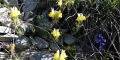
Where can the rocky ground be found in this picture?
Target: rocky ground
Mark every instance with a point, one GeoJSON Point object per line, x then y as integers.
{"type": "Point", "coordinates": [33, 39]}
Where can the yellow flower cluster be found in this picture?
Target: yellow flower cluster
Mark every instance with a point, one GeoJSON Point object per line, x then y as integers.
{"type": "Point", "coordinates": [66, 2]}
{"type": "Point", "coordinates": [56, 33]}
{"type": "Point", "coordinates": [58, 56]}
{"type": "Point", "coordinates": [11, 47]}
{"type": "Point", "coordinates": [55, 14]}
{"type": "Point", "coordinates": [14, 13]}
{"type": "Point", "coordinates": [80, 17]}
{"type": "Point", "coordinates": [69, 1]}
{"type": "Point", "coordinates": [60, 3]}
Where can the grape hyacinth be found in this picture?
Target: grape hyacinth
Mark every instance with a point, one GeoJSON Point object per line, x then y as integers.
{"type": "Point", "coordinates": [101, 41]}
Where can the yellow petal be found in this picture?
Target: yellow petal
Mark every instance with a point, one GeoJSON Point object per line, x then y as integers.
{"type": "Point", "coordinates": [11, 47]}
{"type": "Point", "coordinates": [61, 58]}
{"type": "Point", "coordinates": [52, 13]}
{"type": "Point", "coordinates": [80, 17]}
{"type": "Point", "coordinates": [56, 33]}
{"type": "Point", "coordinates": [14, 12]}
{"type": "Point", "coordinates": [56, 55]}
{"type": "Point", "coordinates": [63, 54]}
{"type": "Point", "coordinates": [60, 15]}
{"type": "Point", "coordinates": [53, 32]}
{"type": "Point", "coordinates": [60, 3]}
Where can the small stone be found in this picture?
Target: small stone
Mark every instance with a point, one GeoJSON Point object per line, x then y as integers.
{"type": "Point", "coordinates": [22, 42]}
{"type": "Point", "coordinates": [41, 43]}
{"type": "Point", "coordinates": [68, 39]}
{"type": "Point", "coordinates": [53, 46]}
{"type": "Point", "coordinates": [8, 37]}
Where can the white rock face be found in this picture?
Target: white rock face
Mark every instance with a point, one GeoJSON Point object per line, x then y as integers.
{"type": "Point", "coordinates": [2, 55]}
{"type": "Point", "coordinates": [4, 17]}
{"type": "Point", "coordinates": [4, 29]}
{"type": "Point", "coordinates": [8, 37]}
{"type": "Point", "coordinates": [42, 55]}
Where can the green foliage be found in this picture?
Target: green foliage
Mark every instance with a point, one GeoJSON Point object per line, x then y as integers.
{"type": "Point", "coordinates": [77, 27]}
{"type": "Point", "coordinates": [20, 31]}
{"type": "Point", "coordinates": [40, 19]}
{"type": "Point", "coordinates": [45, 28]}
{"type": "Point", "coordinates": [1, 1]}
{"type": "Point", "coordinates": [32, 28]}
{"type": "Point", "coordinates": [71, 49]}
{"type": "Point", "coordinates": [32, 40]}
{"type": "Point", "coordinates": [44, 25]}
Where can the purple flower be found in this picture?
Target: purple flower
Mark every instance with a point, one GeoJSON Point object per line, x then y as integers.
{"type": "Point", "coordinates": [101, 46]}
{"type": "Point", "coordinates": [101, 41]}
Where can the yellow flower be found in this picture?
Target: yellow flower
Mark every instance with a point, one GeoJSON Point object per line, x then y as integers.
{"type": "Point", "coordinates": [55, 14]}
{"type": "Point", "coordinates": [52, 13]}
{"type": "Point", "coordinates": [68, 48]}
{"type": "Point", "coordinates": [59, 14]}
{"type": "Point", "coordinates": [72, 1]}
{"type": "Point", "coordinates": [14, 13]}
{"type": "Point", "coordinates": [56, 33]}
{"type": "Point", "coordinates": [56, 55]}
{"type": "Point", "coordinates": [60, 3]}
{"type": "Point", "coordinates": [69, 2]}
{"type": "Point", "coordinates": [62, 56]}
{"type": "Point", "coordinates": [11, 47]}
{"type": "Point", "coordinates": [80, 17]}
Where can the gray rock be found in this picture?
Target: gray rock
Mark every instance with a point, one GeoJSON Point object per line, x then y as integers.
{"type": "Point", "coordinates": [30, 19]}
{"type": "Point", "coordinates": [4, 17]}
{"type": "Point", "coordinates": [27, 15]}
{"type": "Point", "coordinates": [60, 42]}
{"type": "Point", "coordinates": [63, 30]}
{"type": "Point", "coordinates": [54, 46]}
{"type": "Point", "coordinates": [29, 6]}
{"type": "Point", "coordinates": [4, 29]}
{"type": "Point", "coordinates": [5, 44]}
{"type": "Point", "coordinates": [46, 20]}
{"type": "Point", "coordinates": [68, 39]}
{"type": "Point", "coordinates": [2, 55]}
{"type": "Point", "coordinates": [43, 55]}
{"type": "Point", "coordinates": [22, 42]}
{"type": "Point", "coordinates": [11, 2]}
{"type": "Point", "coordinates": [8, 37]}
{"type": "Point", "coordinates": [41, 43]}
{"type": "Point", "coordinates": [44, 13]}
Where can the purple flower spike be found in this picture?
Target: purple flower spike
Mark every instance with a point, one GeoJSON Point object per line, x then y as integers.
{"type": "Point", "coordinates": [101, 41]}
{"type": "Point", "coordinates": [101, 46]}
{"type": "Point", "coordinates": [97, 40]}
{"type": "Point", "coordinates": [100, 36]}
